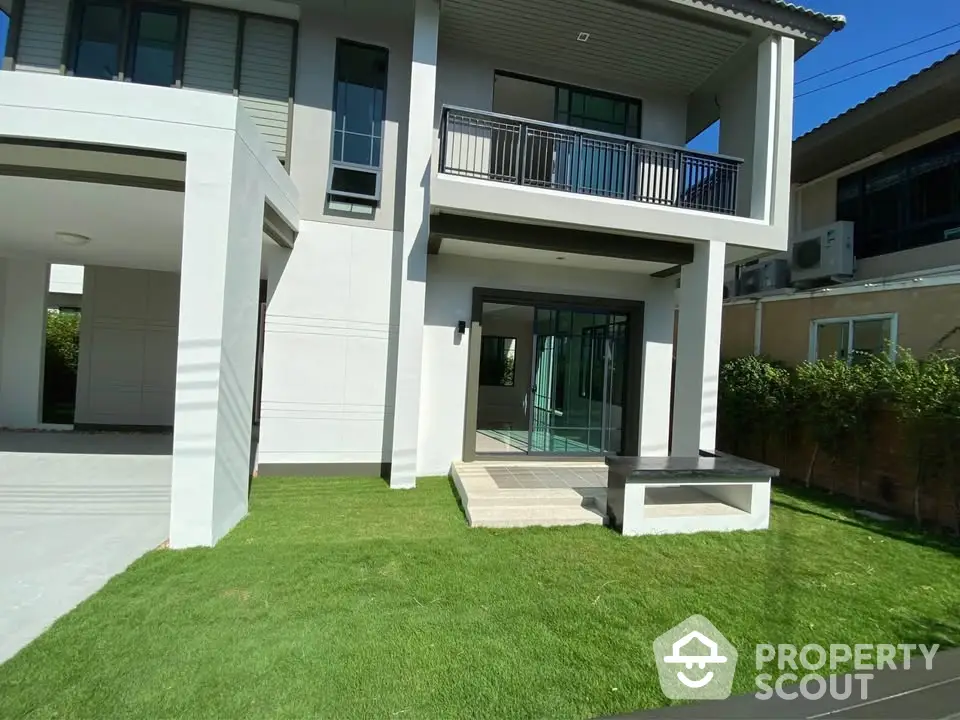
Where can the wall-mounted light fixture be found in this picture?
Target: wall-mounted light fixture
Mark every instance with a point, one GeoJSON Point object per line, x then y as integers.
{"type": "Point", "coordinates": [461, 327]}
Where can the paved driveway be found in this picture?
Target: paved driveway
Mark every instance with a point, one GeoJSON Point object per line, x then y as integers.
{"type": "Point", "coordinates": [75, 510]}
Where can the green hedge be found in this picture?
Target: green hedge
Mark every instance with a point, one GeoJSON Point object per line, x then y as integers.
{"type": "Point", "coordinates": [62, 354]}
{"type": "Point", "coordinates": [836, 403]}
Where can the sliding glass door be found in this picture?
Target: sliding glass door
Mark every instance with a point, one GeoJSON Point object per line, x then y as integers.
{"type": "Point", "coordinates": [577, 382]}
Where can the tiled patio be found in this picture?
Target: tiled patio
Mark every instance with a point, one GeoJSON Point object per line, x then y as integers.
{"type": "Point", "coordinates": [548, 476]}
{"type": "Point", "coordinates": [521, 494]}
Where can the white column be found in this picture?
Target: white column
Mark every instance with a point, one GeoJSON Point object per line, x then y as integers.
{"type": "Point", "coordinates": [220, 271]}
{"type": "Point", "coordinates": [761, 192]}
{"type": "Point", "coordinates": [658, 317]}
{"type": "Point", "coordinates": [773, 132]}
{"type": "Point", "coordinates": [783, 141]}
{"type": "Point", "coordinates": [698, 351]}
{"type": "Point", "coordinates": [416, 230]}
{"type": "Point", "coordinates": [22, 335]}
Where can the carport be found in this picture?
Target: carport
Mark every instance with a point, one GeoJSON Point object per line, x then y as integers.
{"type": "Point", "coordinates": [167, 199]}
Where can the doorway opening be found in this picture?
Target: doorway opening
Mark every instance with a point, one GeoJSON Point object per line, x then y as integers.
{"type": "Point", "coordinates": [552, 380]}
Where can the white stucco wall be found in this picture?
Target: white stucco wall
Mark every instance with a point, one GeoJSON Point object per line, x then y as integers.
{"type": "Point", "coordinates": [326, 390]}
{"type": "Point", "coordinates": [467, 80]}
{"type": "Point", "coordinates": [738, 109]}
{"type": "Point", "coordinates": [450, 283]}
{"type": "Point", "coordinates": [128, 347]}
{"type": "Point", "coordinates": [312, 139]}
{"type": "Point", "coordinates": [23, 284]}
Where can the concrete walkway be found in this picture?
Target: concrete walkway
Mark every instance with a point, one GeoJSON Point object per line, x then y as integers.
{"type": "Point", "coordinates": [914, 694]}
{"type": "Point", "coordinates": [75, 510]}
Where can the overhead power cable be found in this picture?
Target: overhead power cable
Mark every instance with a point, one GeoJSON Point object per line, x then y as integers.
{"type": "Point", "coordinates": [879, 52]}
{"type": "Point", "coordinates": [873, 70]}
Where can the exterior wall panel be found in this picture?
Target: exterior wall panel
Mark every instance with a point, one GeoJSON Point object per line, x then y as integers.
{"type": "Point", "coordinates": [265, 78]}
{"type": "Point", "coordinates": [128, 347]}
{"type": "Point", "coordinates": [211, 53]}
{"type": "Point", "coordinates": [327, 397]}
{"type": "Point", "coordinates": [42, 35]}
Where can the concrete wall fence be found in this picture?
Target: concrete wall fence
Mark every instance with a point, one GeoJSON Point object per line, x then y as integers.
{"type": "Point", "coordinates": [927, 320]}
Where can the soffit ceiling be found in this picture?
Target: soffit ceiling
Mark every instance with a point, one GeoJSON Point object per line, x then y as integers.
{"type": "Point", "coordinates": [633, 45]}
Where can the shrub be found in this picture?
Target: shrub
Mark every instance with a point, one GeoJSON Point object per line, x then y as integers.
{"type": "Point", "coordinates": [753, 395]}
{"type": "Point", "coordinates": [925, 394]}
{"type": "Point", "coordinates": [61, 357]}
{"type": "Point", "coordinates": [838, 403]}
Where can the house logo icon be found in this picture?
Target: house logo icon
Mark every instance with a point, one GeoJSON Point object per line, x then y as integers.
{"type": "Point", "coordinates": [694, 661]}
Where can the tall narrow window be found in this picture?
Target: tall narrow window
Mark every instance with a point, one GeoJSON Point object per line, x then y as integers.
{"type": "Point", "coordinates": [359, 105]}
{"type": "Point", "coordinates": [154, 46]}
{"type": "Point", "coordinates": [98, 40]}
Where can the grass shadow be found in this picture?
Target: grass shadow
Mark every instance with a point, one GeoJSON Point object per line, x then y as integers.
{"type": "Point", "coordinates": [838, 509]}
{"type": "Point", "coordinates": [451, 483]}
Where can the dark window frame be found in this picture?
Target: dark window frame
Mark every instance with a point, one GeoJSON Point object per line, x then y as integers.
{"type": "Point", "coordinates": [888, 220]}
{"type": "Point", "coordinates": [581, 89]}
{"type": "Point", "coordinates": [376, 170]}
{"type": "Point", "coordinates": [184, 8]}
{"type": "Point", "coordinates": [130, 12]}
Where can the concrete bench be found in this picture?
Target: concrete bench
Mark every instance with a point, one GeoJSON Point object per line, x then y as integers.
{"type": "Point", "coordinates": [712, 492]}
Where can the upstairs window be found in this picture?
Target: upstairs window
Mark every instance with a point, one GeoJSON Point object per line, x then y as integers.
{"type": "Point", "coordinates": [98, 40]}
{"type": "Point", "coordinates": [114, 40]}
{"type": "Point", "coordinates": [153, 50]}
{"type": "Point", "coordinates": [359, 105]}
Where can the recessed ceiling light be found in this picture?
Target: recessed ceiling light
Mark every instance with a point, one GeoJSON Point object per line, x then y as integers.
{"type": "Point", "coordinates": [70, 238]}
{"type": "Point", "coordinates": [583, 37]}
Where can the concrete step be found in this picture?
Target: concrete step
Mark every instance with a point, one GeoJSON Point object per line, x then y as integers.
{"type": "Point", "coordinates": [537, 498]}
{"type": "Point", "coordinates": [524, 516]}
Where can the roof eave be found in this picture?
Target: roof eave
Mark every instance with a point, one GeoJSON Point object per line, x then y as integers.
{"type": "Point", "coordinates": [772, 15]}
{"type": "Point", "coordinates": [898, 106]}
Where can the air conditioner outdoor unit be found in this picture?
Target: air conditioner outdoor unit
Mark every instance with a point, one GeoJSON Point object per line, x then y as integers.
{"type": "Point", "coordinates": [765, 276]}
{"type": "Point", "coordinates": [823, 254]}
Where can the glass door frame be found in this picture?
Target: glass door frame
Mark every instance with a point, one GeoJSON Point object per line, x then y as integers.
{"type": "Point", "coordinates": [572, 385]}
{"type": "Point", "coordinates": [631, 309]}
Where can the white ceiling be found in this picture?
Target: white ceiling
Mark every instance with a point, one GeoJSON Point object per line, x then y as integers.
{"type": "Point", "coordinates": [627, 44]}
{"type": "Point", "coordinates": [127, 227]}
{"type": "Point", "coordinates": [491, 251]}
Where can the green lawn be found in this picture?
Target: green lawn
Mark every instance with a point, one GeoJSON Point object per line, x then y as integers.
{"type": "Point", "coordinates": [341, 599]}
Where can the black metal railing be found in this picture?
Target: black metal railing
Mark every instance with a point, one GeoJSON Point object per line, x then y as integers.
{"type": "Point", "coordinates": [507, 149]}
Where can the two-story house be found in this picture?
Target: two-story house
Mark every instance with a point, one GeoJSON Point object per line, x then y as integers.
{"type": "Point", "coordinates": [875, 232]}
{"type": "Point", "coordinates": [470, 217]}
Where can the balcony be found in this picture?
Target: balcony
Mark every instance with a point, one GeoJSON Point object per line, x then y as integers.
{"type": "Point", "coordinates": [505, 149]}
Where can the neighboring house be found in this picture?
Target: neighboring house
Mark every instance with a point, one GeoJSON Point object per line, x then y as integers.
{"type": "Point", "coordinates": [444, 201]}
{"type": "Point", "coordinates": [884, 178]}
